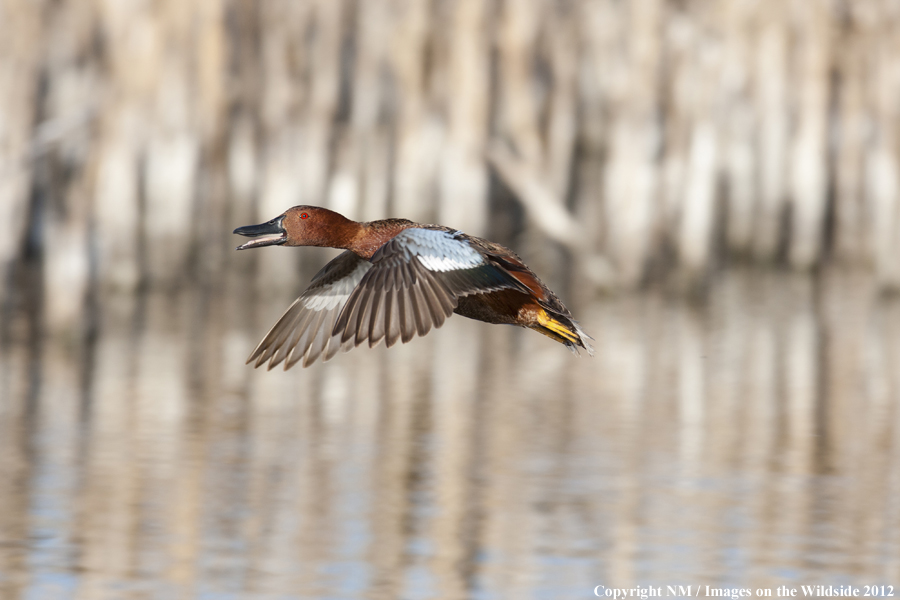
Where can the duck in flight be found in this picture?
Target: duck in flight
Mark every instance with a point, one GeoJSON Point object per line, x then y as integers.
{"type": "Point", "coordinates": [395, 280]}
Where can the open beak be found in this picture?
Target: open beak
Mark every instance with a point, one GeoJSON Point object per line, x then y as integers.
{"type": "Point", "coordinates": [266, 234]}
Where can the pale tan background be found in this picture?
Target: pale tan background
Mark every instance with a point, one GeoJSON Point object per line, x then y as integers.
{"type": "Point", "coordinates": [640, 137]}
{"type": "Point", "coordinates": [712, 187]}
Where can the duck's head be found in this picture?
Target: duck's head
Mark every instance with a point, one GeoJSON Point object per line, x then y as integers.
{"type": "Point", "coordinates": [300, 226]}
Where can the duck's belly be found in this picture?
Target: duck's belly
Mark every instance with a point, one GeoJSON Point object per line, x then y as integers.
{"type": "Point", "coordinates": [503, 307]}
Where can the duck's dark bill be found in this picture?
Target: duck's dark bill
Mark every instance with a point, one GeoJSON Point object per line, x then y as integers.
{"type": "Point", "coordinates": [267, 234]}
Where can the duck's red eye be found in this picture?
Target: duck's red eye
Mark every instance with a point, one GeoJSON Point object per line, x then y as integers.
{"type": "Point", "coordinates": [304, 215]}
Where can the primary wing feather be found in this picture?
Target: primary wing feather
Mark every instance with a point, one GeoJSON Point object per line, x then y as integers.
{"type": "Point", "coordinates": [304, 331]}
{"type": "Point", "coordinates": [415, 283]}
{"type": "Point", "coordinates": [411, 285]}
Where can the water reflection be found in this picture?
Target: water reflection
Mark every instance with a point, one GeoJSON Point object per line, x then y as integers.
{"type": "Point", "coordinates": [750, 442]}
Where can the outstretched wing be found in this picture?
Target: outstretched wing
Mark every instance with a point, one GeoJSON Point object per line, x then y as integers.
{"type": "Point", "coordinates": [414, 284]}
{"type": "Point", "coordinates": [411, 285]}
{"type": "Point", "coordinates": [304, 330]}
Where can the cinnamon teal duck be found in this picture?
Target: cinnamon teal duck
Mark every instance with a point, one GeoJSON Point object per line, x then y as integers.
{"type": "Point", "coordinates": [398, 279]}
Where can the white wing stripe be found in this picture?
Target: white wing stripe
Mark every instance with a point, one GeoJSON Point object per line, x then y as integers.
{"type": "Point", "coordinates": [304, 331]}
{"type": "Point", "coordinates": [334, 294]}
{"type": "Point", "coordinates": [446, 263]}
{"type": "Point", "coordinates": [438, 250]}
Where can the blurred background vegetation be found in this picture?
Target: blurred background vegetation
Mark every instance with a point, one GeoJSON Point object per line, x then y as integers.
{"type": "Point", "coordinates": [621, 143]}
{"type": "Point", "coordinates": [748, 440]}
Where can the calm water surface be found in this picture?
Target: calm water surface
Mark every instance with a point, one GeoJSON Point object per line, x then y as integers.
{"type": "Point", "coordinates": [749, 442]}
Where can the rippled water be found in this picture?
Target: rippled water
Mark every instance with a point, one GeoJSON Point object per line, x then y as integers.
{"type": "Point", "coordinates": [748, 442]}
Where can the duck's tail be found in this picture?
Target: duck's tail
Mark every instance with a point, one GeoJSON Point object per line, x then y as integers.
{"type": "Point", "coordinates": [564, 330]}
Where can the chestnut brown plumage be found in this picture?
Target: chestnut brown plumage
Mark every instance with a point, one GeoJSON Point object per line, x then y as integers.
{"type": "Point", "coordinates": [398, 279]}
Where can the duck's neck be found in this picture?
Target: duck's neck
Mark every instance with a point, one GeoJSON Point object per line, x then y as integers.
{"type": "Point", "coordinates": [338, 232]}
{"type": "Point", "coordinates": [369, 237]}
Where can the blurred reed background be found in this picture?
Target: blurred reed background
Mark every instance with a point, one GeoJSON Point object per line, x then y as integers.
{"type": "Point", "coordinates": [630, 140]}
{"type": "Point", "coordinates": [745, 152]}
